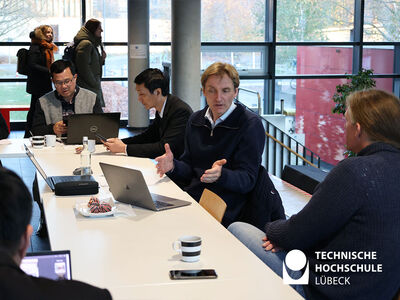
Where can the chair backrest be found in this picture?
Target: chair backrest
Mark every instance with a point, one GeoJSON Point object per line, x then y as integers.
{"type": "Point", "coordinates": [212, 203]}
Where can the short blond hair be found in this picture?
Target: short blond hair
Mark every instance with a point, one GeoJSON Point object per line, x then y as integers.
{"type": "Point", "coordinates": [219, 69]}
{"type": "Point", "coordinates": [378, 113]}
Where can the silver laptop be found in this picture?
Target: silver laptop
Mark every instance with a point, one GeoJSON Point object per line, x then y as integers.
{"type": "Point", "coordinates": [49, 264]}
{"type": "Point", "coordinates": [52, 180]}
{"type": "Point", "coordinates": [128, 186]}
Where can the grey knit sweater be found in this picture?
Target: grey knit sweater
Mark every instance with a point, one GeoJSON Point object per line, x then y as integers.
{"type": "Point", "coordinates": [49, 109]}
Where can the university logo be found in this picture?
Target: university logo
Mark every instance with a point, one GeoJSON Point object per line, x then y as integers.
{"type": "Point", "coordinates": [295, 260]}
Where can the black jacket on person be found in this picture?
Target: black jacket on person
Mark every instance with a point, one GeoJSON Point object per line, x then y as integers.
{"type": "Point", "coordinates": [4, 132]}
{"type": "Point", "coordinates": [264, 203]}
{"type": "Point", "coordinates": [15, 284]}
{"type": "Point", "coordinates": [39, 79]}
{"type": "Point", "coordinates": [168, 129]}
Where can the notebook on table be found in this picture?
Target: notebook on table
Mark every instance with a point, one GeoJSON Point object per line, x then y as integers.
{"type": "Point", "coordinates": [128, 186]}
{"type": "Point", "coordinates": [80, 125]}
{"type": "Point", "coordinates": [53, 180]}
{"type": "Point", "coordinates": [49, 264]}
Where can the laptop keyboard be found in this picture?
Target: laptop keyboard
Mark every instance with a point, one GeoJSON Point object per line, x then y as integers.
{"type": "Point", "coordinates": [160, 204]}
{"type": "Point", "coordinates": [58, 179]}
{"type": "Point", "coordinates": [61, 179]}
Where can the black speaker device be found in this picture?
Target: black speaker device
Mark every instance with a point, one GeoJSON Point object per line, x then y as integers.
{"type": "Point", "coordinates": [72, 188]}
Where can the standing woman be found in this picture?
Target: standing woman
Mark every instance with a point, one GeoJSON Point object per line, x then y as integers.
{"type": "Point", "coordinates": [88, 59]}
{"type": "Point", "coordinates": [40, 58]}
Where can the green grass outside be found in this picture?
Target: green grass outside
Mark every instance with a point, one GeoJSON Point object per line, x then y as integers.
{"type": "Point", "coordinates": [15, 94]}
{"type": "Point", "coordinates": [18, 115]}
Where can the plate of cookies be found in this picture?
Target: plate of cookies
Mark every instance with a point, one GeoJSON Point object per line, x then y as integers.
{"type": "Point", "coordinates": [96, 208]}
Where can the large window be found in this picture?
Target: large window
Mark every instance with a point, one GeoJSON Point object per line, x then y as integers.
{"type": "Point", "coordinates": [318, 43]}
{"type": "Point", "coordinates": [17, 19]}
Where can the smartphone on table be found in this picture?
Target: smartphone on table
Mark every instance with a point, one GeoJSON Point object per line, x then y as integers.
{"type": "Point", "coordinates": [193, 274]}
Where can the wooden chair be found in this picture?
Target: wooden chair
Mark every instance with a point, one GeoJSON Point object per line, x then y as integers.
{"type": "Point", "coordinates": [212, 203]}
{"type": "Point", "coordinates": [397, 296]}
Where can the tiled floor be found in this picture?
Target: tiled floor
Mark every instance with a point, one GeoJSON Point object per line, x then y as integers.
{"type": "Point", "coordinates": [25, 169]}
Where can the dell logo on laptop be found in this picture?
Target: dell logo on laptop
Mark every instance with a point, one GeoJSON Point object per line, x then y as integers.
{"type": "Point", "coordinates": [93, 128]}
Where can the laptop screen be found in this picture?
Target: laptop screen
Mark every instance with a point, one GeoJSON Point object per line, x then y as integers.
{"type": "Point", "coordinates": [79, 125]}
{"type": "Point", "coordinates": [35, 163]}
{"type": "Point", "coordinates": [49, 264]}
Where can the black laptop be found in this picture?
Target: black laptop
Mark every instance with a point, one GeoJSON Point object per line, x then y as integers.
{"type": "Point", "coordinates": [52, 180]}
{"type": "Point", "coordinates": [49, 264]}
{"type": "Point", "coordinates": [80, 125]}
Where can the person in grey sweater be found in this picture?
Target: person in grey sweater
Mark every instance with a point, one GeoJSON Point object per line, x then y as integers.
{"type": "Point", "coordinates": [53, 109]}
{"type": "Point", "coordinates": [349, 231]}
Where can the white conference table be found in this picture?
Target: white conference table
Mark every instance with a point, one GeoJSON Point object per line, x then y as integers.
{"type": "Point", "coordinates": [132, 255]}
{"type": "Point", "coordinates": [13, 148]}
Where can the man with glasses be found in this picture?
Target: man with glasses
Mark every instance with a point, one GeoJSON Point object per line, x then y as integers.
{"type": "Point", "coordinates": [53, 109]}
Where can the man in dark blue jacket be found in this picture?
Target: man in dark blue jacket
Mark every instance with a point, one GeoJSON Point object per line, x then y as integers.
{"type": "Point", "coordinates": [224, 143]}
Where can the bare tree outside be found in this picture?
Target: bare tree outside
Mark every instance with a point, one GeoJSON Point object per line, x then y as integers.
{"type": "Point", "coordinates": [14, 14]}
{"type": "Point", "coordinates": [381, 22]}
{"type": "Point", "coordinates": [233, 20]}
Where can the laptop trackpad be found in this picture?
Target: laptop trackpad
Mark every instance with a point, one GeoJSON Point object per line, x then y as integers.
{"type": "Point", "coordinates": [167, 202]}
{"type": "Point", "coordinates": [161, 200]}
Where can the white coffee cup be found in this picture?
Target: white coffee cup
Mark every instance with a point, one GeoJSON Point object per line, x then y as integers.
{"type": "Point", "coordinates": [37, 141]}
{"type": "Point", "coordinates": [189, 246]}
{"type": "Point", "coordinates": [92, 146]}
{"type": "Point", "coordinates": [50, 140]}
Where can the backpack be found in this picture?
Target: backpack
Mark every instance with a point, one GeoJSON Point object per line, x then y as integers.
{"type": "Point", "coordinates": [22, 61]}
{"type": "Point", "coordinates": [69, 51]}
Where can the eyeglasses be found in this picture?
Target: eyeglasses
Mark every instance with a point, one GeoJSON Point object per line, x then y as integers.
{"type": "Point", "coordinates": [65, 82]}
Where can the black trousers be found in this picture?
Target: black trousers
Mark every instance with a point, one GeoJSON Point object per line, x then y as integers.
{"type": "Point", "coordinates": [31, 113]}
